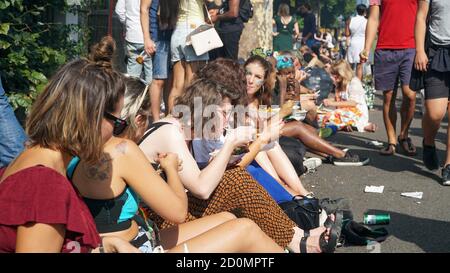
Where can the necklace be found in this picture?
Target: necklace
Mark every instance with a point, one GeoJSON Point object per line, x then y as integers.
{"type": "Point", "coordinates": [283, 22]}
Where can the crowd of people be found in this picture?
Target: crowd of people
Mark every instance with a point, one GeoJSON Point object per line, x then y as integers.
{"type": "Point", "coordinates": [105, 168]}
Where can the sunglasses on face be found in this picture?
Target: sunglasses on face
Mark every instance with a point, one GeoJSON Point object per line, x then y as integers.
{"type": "Point", "coordinates": [119, 124]}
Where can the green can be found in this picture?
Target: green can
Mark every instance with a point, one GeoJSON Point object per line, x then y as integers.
{"type": "Point", "coordinates": [377, 219]}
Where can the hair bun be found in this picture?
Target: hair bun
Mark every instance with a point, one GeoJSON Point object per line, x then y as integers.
{"type": "Point", "coordinates": [102, 52]}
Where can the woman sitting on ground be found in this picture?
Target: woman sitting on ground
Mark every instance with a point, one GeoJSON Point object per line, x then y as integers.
{"type": "Point", "coordinates": [112, 189]}
{"type": "Point", "coordinates": [257, 68]}
{"type": "Point", "coordinates": [39, 209]}
{"type": "Point", "coordinates": [215, 189]}
{"type": "Point", "coordinates": [265, 149]}
{"type": "Point", "coordinates": [350, 101]}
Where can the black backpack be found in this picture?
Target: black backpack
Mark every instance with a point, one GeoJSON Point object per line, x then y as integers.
{"type": "Point", "coordinates": [245, 10]}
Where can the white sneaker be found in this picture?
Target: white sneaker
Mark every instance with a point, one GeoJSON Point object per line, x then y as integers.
{"type": "Point", "coordinates": [312, 163]}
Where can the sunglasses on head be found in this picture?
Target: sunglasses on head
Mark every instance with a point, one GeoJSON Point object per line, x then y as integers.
{"type": "Point", "coordinates": [119, 124]}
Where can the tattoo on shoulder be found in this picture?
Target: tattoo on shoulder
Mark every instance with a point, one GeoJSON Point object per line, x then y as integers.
{"type": "Point", "coordinates": [101, 171]}
{"type": "Point", "coordinates": [122, 147]}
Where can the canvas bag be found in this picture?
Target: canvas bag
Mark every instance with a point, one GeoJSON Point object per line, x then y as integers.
{"type": "Point", "coordinates": [204, 38]}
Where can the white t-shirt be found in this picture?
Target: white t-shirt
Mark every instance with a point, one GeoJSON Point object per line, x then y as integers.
{"type": "Point", "coordinates": [130, 15]}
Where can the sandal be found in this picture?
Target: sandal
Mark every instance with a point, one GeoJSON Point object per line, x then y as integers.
{"type": "Point", "coordinates": [389, 150]}
{"type": "Point", "coordinates": [326, 246]}
{"type": "Point", "coordinates": [407, 146]}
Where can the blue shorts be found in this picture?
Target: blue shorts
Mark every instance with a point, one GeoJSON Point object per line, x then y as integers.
{"type": "Point", "coordinates": [392, 65]}
{"type": "Point", "coordinates": [179, 50]}
{"type": "Point", "coordinates": [161, 60]}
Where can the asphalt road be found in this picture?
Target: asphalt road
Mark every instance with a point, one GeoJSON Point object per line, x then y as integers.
{"type": "Point", "coordinates": [416, 225]}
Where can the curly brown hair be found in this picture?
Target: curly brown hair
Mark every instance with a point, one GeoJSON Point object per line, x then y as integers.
{"type": "Point", "coordinates": [230, 74]}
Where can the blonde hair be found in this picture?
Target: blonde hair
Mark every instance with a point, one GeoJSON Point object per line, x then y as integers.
{"type": "Point", "coordinates": [342, 68]}
{"type": "Point", "coordinates": [283, 10]}
{"type": "Point", "coordinates": [67, 116]}
{"type": "Point", "coordinates": [136, 102]}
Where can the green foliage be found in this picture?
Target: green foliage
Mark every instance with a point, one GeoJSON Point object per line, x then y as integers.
{"type": "Point", "coordinates": [33, 44]}
{"type": "Point", "coordinates": [330, 10]}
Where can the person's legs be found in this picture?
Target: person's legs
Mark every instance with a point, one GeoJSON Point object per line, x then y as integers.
{"type": "Point", "coordinates": [387, 65]}
{"type": "Point", "coordinates": [134, 69]}
{"type": "Point", "coordinates": [359, 71]}
{"type": "Point", "coordinates": [231, 44]}
{"type": "Point", "coordinates": [160, 75]}
{"type": "Point", "coordinates": [191, 69]}
{"type": "Point", "coordinates": [307, 134]}
{"type": "Point", "coordinates": [285, 170]}
{"type": "Point", "coordinates": [12, 135]}
{"type": "Point", "coordinates": [390, 117]}
{"type": "Point", "coordinates": [155, 98]}
{"type": "Point", "coordinates": [239, 235]}
{"type": "Point", "coordinates": [175, 235]}
{"type": "Point", "coordinates": [409, 99]}
{"type": "Point", "coordinates": [179, 73]}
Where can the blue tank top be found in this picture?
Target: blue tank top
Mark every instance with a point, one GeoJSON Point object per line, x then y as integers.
{"type": "Point", "coordinates": [110, 215]}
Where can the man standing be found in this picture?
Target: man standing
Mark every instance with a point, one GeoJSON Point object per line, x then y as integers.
{"type": "Point", "coordinates": [129, 15]}
{"type": "Point", "coordinates": [309, 25]}
{"type": "Point", "coordinates": [157, 42]}
{"type": "Point", "coordinates": [394, 58]}
{"type": "Point", "coordinates": [229, 25]}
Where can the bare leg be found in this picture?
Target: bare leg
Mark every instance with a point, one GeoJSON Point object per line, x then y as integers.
{"type": "Point", "coordinates": [239, 235]}
{"type": "Point", "coordinates": [178, 83]}
{"type": "Point", "coordinates": [175, 235]}
{"type": "Point", "coordinates": [311, 139]}
{"type": "Point", "coordinates": [191, 69]}
{"type": "Point", "coordinates": [155, 97]}
{"type": "Point", "coordinates": [285, 170]}
{"type": "Point", "coordinates": [390, 115]}
{"type": "Point", "coordinates": [359, 71]}
{"type": "Point", "coordinates": [447, 159]}
{"type": "Point", "coordinates": [407, 110]}
{"type": "Point", "coordinates": [263, 160]}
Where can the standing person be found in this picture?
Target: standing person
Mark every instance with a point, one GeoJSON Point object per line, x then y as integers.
{"type": "Point", "coordinates": [129, 15]}
{"type": "Point", "coordinates": [394, 58]}
{"type": "Point", "coordinates": [287, 29]}
{"type": "Point", "coordinates": [431, 60]}
{"type": "Point", "coordinates": [40, 211]}
{"type": "Point", "coordinates": [309, 28]}
{"type": "Point", "coordinates": [12, 136]}
{"type": "Point", "coordinates": [157, 34]}
{"type": "Point", "coordinates": [355, 32]}
{"type": "Point", "coordinates": [190, 15]}
{"type": "Point", "coordinates": [229, 25]}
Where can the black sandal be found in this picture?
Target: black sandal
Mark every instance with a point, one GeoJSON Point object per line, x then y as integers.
{"type": "Point", "coordinates": [326, 246]}
{"type": "Point", "coordinates": [389, 150]}
{"type": "Point", "coordinates": [409, 149]}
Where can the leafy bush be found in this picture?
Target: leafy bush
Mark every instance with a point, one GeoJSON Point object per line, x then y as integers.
{"type": "Point", "coordinates": [33, 45]}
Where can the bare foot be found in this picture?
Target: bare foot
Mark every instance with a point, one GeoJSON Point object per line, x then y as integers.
{"type": "Point", "coordinates": [371, 128]}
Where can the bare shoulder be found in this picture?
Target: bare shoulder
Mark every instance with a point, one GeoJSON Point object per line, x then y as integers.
{"type": "Point", "coordinates": [121, 147]}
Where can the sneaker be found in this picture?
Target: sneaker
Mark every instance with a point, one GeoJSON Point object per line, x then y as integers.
{"type": "Point", "coordinates": [312, 163]}
{"type": "Point", "coordinates": [351, 159]}
{"type": "Point", "coordinates": [446, 175]}
{"type": "Point", "coordinates": [430, 157]}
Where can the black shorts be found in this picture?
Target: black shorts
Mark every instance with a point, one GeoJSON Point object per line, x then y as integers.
{"type": "Point", "coordinates": [437, 85]}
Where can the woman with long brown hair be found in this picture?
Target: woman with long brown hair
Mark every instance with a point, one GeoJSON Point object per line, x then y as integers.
{"type": "Point", "coordinates": [73, 116]}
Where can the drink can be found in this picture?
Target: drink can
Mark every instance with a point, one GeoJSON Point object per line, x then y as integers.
{"type": "Point", "coordinates": [377, 219]}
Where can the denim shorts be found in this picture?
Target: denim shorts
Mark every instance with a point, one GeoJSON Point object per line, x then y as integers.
{"type": "Point", "coordinates": [161, 60]}
{"type": "Point", "coordinates": [392, 65]}
{"type": "Point", "coordinates": [180, 51]}
{"type": "Point", "coordinates": [12, 135]}
{"type": "Point", "coordinates": [135, 69]}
